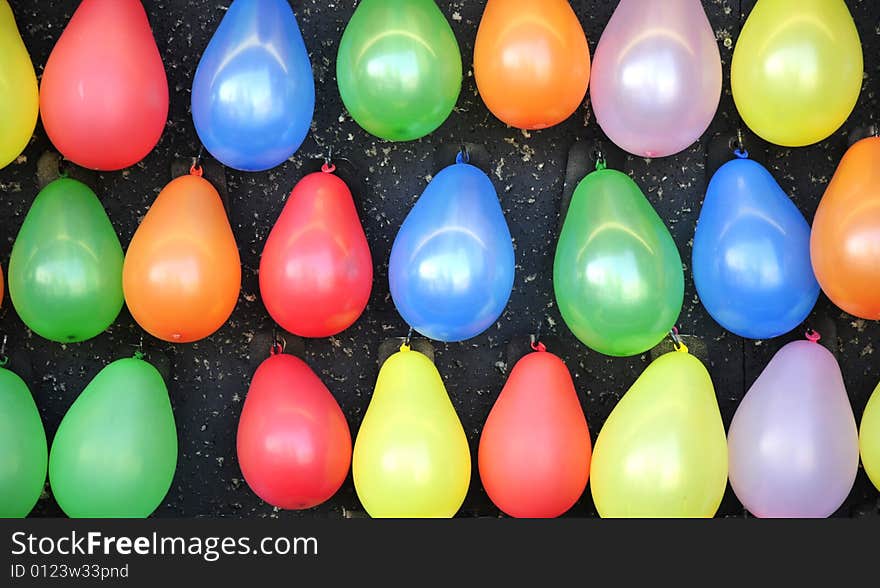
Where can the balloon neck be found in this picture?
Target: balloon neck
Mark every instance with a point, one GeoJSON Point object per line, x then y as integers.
{"type": "Point", "coordinates": [139, 354]}
{"type": "Point", "coordinates": [195, 170]}
{"type": "Point", "coordinates": [741, 153]}
{"type": "Point", "coordinates": [682, 348]}
{"type": "Point", "coordinates": [328, 168]}
{"type": "Point", "coordinates": [812, 336]}
{"type": "Point", "coordinates": [539, 347]}
{"type": "Point", "coordinates": [601, 164]}
{"type": "Point", "coordinates": [404, 347]}
{"type": "Point", "coordinates": [463, 156]}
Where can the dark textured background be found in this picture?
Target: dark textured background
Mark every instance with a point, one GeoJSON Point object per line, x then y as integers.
{"type": "Point", "coordinates": [208, 380]}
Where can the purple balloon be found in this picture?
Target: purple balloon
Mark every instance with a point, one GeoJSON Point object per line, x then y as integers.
{"type": "Point", "coordinates": [794, 448]}
{"type": "Point", "coordinates": [656, 78]}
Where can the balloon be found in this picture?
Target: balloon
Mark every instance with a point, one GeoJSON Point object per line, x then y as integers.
{"type": "Point", "coordinates": [65, 273]}
{"type": "Point", "coordinates": [794, 448]}
{"type": "Point", "coordinates": [869, 438]}
{"type": "Point", "coordinates": [751, 257]}
{"type": "Point", "coordinates": [617, 274]}
{"type": "Point", "coordinates": [104, 94]}
{"type": "Point", "coordinates": [399, 68]}
{"type": "Point", "coordinates": [656, 76]}
{"type": "Point", "coordinates": [845, 243]}
{"type": "Point", "coordinates": [294, 446]}
{"type": "Point", "coordinates": [411, 457]}
{"type": "Point", "coordinates": [316, 271]}
{"type": "Point", "coordinates": [662, 451]}
{"type": "Point", "coordinates": [531, 61]}
{"type": "Point", "coordinates": [253, 95]}
{"type": "Point", "coordinates": [534, 452]}
{"type": "Point", "coordinates": [19, 98]}
{"type": "Point", "coordinates": [24, 455]}
{"type": "Point", "coordinates": [182, 273]}
{"type": "Point", "coordinates": [451, 267]}
{"type": "Point", "coordinates": [797, 70]}
{"type": "Point", "coordinates": [115, 452]}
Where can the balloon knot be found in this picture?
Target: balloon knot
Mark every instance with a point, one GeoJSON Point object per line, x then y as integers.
{"type": "Point", "coordinates": [328, 168]}
{"type": "Point", "coordinates": [195, 170]}
{"type": "Point", "coordinates": [741, 153]}
{"type": "Point", "coordinates": [538, 346]}
{"type": "Point", "coordinates": [139, 354]}
{"type": "Point", "coordinates": [276, 348]}
{"type": "Point", "coordinates": [404, 347]}
{"type": "Point", "coordinates": [812, 336]}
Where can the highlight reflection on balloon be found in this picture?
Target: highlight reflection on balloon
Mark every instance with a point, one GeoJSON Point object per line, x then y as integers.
{"type": "Point", "coordinates": [656, 76]}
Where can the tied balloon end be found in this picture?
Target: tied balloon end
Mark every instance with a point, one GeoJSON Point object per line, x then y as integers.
{"type": "Point", "coordinates": [601, 163]}
{"type": "Point", "coordinates": [328, 167]}
{"type": "Point", "coordinates": [405, 346]}
{"type": "Point", "coordinates": [4, 359]}
{"type": "Point", "coordinates": [535, 340]}
{"type": "Point", "coordinates": [139, 349]}
{"type": "Point", "coordinates": [463, 155]}
{"type": "Point", "coordinates": [677, 341]}
{"type": "Point", "coordinates": [812, 336]}
{"type": "Point", "coordinates": [196, 168]}
{"type": "Point", "coordinates": [279, 343]}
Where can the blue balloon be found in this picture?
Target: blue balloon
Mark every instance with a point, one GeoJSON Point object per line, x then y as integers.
{"type": "Point", "coordinates": [253, 95]}
{"type": "Point", "coordinates": [452, 263]}
{"type": "Point", "coordinates": [751, 258]}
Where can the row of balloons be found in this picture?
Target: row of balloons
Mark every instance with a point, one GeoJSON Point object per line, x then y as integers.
{"type": "Point", "coordinates": [792, 449]}
{"type": "Point", "coordinates": [656, 76]}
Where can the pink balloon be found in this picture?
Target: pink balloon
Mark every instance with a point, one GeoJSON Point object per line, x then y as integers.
{"type": "Point", "coordinates": [656, 78]}
{"type": "Point", "coordinates": [794, 448]}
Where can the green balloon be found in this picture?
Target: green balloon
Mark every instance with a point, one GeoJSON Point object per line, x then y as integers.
{"type": "Point", "coordinates": [617, 275]}
{"type": "Point", "coordinates": [65, 273]}
{"type": "Point", "coordinates": [22, 448]}
{"type": "Point", "coordinates": [115, 452]}
{"type": "Point", "coordinates": [399, 68]}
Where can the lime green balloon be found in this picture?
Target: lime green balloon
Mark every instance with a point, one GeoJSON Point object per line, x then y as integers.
{"type": "Point", "coordinates": [65, 273]}
{"type": "Point", "coordinates": [662, 452]}
{"type": "Point", "coordinates": [22, 448]}
{"type": "Point", "coordinates": [617, 275]}
{"type": "Point", "coordinates": [399, 68]}
{"type": "Point", "coordinates": [115, 452]}
{"type": "Point", "coordinates": [869, 437]}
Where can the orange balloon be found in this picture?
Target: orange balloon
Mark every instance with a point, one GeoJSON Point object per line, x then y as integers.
{"type": "Point", "coordinates": [845, 243]}
{"type": "Point", "coordinates": [531, 61]}
{"type": "Point", "coordinates": [182, 273]}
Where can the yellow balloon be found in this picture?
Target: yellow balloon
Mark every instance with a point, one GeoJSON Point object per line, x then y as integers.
{"type": "Point", "coordinates": [797, 70]}
{"type": "Point", "coordinates": [662, 452]}
{"type": "Point", "coordinates": [869, 438]}
{"type": "Point", "coordinates": [411, 456]}
{"type": "Point", "coordinates": [19, 97]}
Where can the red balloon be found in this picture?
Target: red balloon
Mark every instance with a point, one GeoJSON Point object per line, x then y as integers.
{"type": "Point", "coordinates": [104, 94]}
{"type": "Point", "coordinates": [294, 445]}
{"type": "Point", "coordinates": [535, 450]}
{"type": "Point", "coordinates": [316, 271]}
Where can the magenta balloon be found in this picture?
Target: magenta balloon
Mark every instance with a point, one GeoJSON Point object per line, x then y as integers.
{"type": "Point", "coordinates": [656, 78]}
{"type": "Point", "coordinates": [794, 448]}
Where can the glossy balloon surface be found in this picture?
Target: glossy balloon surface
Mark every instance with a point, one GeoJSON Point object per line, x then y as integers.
{"type": "Point", "coordinates": [531, 61]}
{"type": "Point", "coordinates": [617, 274]}
{"type": "Point", "coordinates": [19, 97]}
{"type": "Point", "coordinates": [869, 438]}
{"type": "Point", "coordinates": [253, 94]}
{"type": "Point", "coordinates": [115, 451]}
{"type": "Point", "coordinates": [797, 70]}
{"type": "Point", "coordinates": [398, 68]}
{"type": "Point", "coordinates": [25, 453]}
{"type": "Point", "coordinates": [65, 272]}
{"type": "Point", "coordinates": [534, 454]}
{"type": "Point", "coordinates": [845, 243]}
{"type": "Point", "coordinates": [104, 93]}
{"type": "Point", "coordinates": [794, 449]}
{"type": "Point", "coordinates": [656, 76]}
{"type": "Point", "coordinates": [293, 443]}
{"type": "Point", "coordinates": [182, 272]}
{"type": "Point", "coordinates": [411, 456]}
{"type": "Point", "coordinates": [316, 271]}
{"type": "Point", "coordinates": [452, 264]}
{"type": "Point", "coordinates": [662, 451]}
{"type": "Point", "coordinates": [751, 256]}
